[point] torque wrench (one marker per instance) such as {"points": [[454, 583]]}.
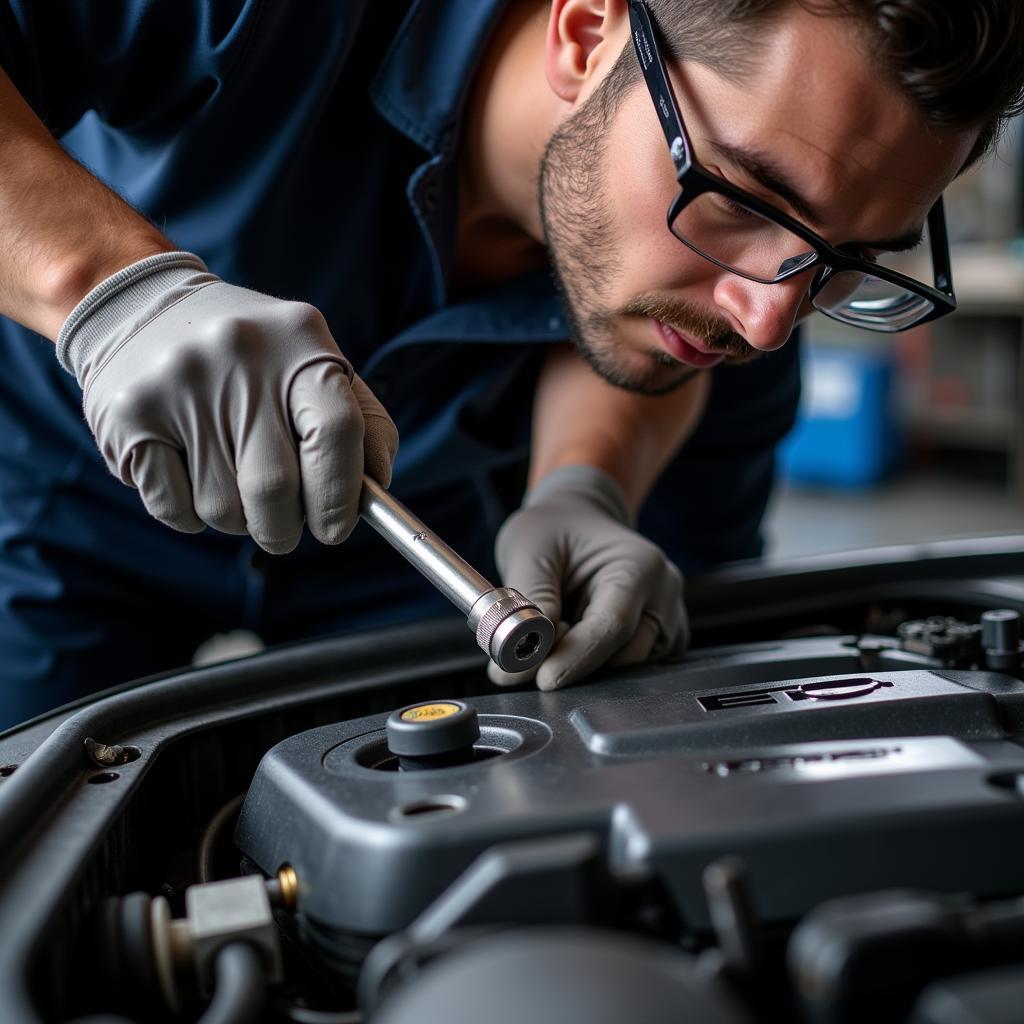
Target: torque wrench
{"points": [[512, 631]]}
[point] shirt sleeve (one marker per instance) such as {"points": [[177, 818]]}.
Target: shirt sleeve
{"points": [[131, 61]]}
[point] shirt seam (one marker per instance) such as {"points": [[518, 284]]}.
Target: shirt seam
{"points": [[380, 98]]}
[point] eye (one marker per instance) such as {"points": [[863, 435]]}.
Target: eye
{"points": [[734, 208]]}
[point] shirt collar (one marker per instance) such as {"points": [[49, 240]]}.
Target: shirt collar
{"points": [[422, 83]]}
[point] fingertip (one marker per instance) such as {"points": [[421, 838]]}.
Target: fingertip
{"points": [[548, 681], [180, 525], [158, 473], [279, 547], [333, 528], [500, 677], [550, 675], [179, 520]]}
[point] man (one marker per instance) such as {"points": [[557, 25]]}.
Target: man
{"points": [[405, 177]]}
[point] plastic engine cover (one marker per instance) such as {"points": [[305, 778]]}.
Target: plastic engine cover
{"points": [[823, 785]]}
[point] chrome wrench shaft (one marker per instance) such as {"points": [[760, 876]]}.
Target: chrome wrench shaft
{"points": [[513, 632]]}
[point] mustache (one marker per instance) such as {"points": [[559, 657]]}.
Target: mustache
{"points": [[712, 331]]}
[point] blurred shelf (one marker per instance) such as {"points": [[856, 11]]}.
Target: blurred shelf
{"points": [[978, 427], [989, 281], [988, 278]]}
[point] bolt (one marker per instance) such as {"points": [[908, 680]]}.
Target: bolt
{"points": [[288, 882]]}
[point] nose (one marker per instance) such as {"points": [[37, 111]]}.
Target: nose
{"points": [[764, 314]]}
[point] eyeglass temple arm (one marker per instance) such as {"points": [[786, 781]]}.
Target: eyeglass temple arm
{"points": [[942, 265], [657, 82]]}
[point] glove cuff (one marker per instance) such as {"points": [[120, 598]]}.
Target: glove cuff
{"points": [[106, 307], [588, 482]]}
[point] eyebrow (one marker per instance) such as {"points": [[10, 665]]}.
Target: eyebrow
{"points": [[772, 178]]}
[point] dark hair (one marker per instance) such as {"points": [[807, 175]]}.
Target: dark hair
{"points": [[960, 61]]}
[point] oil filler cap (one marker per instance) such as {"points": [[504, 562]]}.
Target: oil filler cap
{"points": [[433, 734]]}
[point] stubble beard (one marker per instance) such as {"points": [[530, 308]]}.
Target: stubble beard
{"points": [[574, 210]]}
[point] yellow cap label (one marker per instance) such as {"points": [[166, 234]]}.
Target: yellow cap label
{"points": [[429, 712]]}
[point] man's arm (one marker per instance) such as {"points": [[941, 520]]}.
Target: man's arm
{"points": [[221, 406], [61, 230], [580, 419], [571, 548]]}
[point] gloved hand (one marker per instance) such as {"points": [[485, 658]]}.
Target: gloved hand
{"points": [[572, 539], [224, 406]]}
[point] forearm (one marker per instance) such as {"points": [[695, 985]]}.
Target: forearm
{"points": [[61, 230], [580, 419]]}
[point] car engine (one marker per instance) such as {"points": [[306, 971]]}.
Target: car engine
{"points": [[815, 816]]}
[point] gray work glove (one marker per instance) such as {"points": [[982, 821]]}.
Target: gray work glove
{"points": [[223, 406], [572, 539]]}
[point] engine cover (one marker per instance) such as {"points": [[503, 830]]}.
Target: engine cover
{"points": [[826, 780]]}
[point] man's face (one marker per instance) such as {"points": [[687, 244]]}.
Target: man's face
{"points": [[647, 312]]}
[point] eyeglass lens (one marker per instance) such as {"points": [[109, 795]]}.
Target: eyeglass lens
{"points": [[726, 231], [867, 301]]}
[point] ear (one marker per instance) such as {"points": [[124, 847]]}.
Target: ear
{"points": [[578, 36]]}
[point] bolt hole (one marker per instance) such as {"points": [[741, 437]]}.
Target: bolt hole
{"points": [[101, 777], [130, 754], [438, 805], [527, 646], [8, 769]]}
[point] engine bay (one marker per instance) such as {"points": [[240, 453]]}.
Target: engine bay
{"points": [[815, 816]]}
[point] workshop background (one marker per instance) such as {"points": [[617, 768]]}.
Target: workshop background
{"points": [[920, 436]]}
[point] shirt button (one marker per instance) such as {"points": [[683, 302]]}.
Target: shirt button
{"points": [[555, 323]]}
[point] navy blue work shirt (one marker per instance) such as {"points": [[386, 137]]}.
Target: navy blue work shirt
{"points": [[309, 151]]}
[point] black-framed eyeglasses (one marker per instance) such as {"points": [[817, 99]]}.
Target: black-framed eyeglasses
{"points": [[744, 235]]}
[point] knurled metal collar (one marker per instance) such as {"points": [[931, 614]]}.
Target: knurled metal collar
{"points": [[505, 602]]}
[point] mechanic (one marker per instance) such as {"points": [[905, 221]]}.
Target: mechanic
{"points": [[264, 223]]}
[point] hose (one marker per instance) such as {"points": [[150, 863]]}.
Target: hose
{"points": [[213, 833], [240, 988]]}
